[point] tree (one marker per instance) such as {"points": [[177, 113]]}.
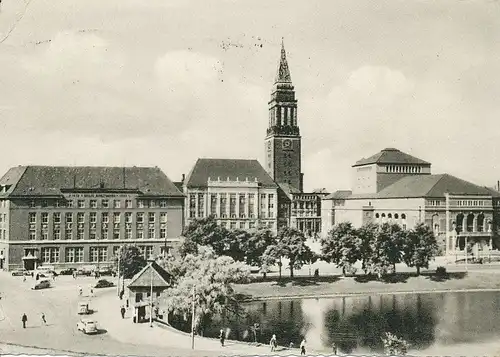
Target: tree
{"points": [[212, 277], [367, 234], [255, 246], [131, 260], [341, 246], [291, 244], [385, 248], [394, 345], [419, 247], [206, 231]]}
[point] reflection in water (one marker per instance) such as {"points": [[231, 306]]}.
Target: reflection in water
{"points": [[356, 325]]}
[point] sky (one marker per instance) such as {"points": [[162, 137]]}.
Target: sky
{"points": [[164, 82]]}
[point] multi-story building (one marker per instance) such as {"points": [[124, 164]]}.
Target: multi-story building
{"points": [[69, 216], [215, 182], [393, 186], [239, 194]]}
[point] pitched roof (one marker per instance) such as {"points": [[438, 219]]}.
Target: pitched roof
{"points": [[431, 186], [161, 278], [234, 169], [53, 180], [391, 156], [339, 195]]}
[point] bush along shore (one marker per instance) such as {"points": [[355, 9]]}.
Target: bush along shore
{"points": [[332, 286]]}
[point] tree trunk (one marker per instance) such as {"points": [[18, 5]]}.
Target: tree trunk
{"points": [[418, 270], [279, 268], [394, 268], [343, 271], [291, 269]]}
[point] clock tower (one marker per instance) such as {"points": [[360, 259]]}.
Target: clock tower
{"points": [[283, 142]]}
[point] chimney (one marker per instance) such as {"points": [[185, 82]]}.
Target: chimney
{"points": [[183, 178]]}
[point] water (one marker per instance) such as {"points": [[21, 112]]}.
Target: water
{"points": [[357, 324]]}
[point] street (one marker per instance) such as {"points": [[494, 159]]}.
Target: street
{"points": [[59, 304]]}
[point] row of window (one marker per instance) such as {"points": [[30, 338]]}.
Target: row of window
{"points": [[390, 216], [470, 203], [102, 203], [283, 116], [96, 254], [219, 205], [403, 169], [244, 225], [80, 217]]}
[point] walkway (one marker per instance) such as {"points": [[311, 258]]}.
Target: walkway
{"points": [[107, 306]]}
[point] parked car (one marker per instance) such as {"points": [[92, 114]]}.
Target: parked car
{"points": [[42, 284], [19, 272], [106, 270], [67, 271], [83, 308], [103, 283], [87, 326], [45, 271], [86, 270]]}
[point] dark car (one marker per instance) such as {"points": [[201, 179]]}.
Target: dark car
{"points": [[67, 271]]}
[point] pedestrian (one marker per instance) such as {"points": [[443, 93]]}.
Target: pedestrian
{"points": [[303, 347], [24, 277], [273, 343], [91, 291], [334, 347], [222, 337], [121, 294], [43, 319], [24, 319], [80, 290], [122, 311]]}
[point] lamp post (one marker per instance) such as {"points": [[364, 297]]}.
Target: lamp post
{"points": [[193, 318]]}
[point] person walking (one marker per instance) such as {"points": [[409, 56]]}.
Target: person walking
{"points": [[80, 290], [43, 319], [122, 311], [273, 343], [24, 319], [222, 337], [91, 291], [303, 347], [334, 347]]}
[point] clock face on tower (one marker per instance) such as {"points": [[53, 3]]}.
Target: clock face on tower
{"points": [[287, 144]]}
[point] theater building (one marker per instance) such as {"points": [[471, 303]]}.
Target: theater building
{"points": [[71, 216], [392, 186]]}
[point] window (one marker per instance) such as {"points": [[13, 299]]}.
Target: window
{"points": [[140, 232], [93, 217], [116, 217], [151, 217], [163, 204], [57, 233], [105, 217], [128, 232], [251, 204], [149, 252], [223, 206], [98, 254], [70, 204], [45, 218], [116, 203], [68, 233], [105, 203], [69, 217], [32, 234], [242, 204], [213, 204], [201, 205], [80, 218], [163, 217], [116, 233], [45, 234], [32, 204], [232, 205], [80, 233], [81, 204], [74, 255], [93, 203], [140, 217], [128, 217], [251, 225], [151, 232], [140, 204], [50, 255], [152, 204], [45, 203], [271, 201], [163, 232], [57, 217], [233, 225], [32, 218], [242, 225]]}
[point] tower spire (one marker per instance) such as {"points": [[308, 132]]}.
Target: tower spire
{"points": [[283, 74]]}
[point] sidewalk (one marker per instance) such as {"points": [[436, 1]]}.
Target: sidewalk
{"points": [[107, 306]]}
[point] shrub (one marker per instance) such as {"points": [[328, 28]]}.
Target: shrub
{"points": [[351, 270], [104, 284], [394, 345], [441, 271]]}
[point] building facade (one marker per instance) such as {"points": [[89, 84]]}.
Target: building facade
{"points": [[71, 216], [393, 186], [239, 194]]}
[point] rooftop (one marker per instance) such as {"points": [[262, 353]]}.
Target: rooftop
{"points": [[233, 169], [161, 278], [391, 156], [54, 180]]}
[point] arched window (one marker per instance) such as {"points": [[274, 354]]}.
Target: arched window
{"points": [[459, 222], [383, 215], [480, 223], [377, 215], [403, 216], [389, 216], [470, 222], [396, 216]]}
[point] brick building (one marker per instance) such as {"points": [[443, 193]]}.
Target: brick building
{"points": [[71, 216]]}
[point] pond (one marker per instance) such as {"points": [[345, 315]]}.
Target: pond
{"points": [[356, 324]]}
